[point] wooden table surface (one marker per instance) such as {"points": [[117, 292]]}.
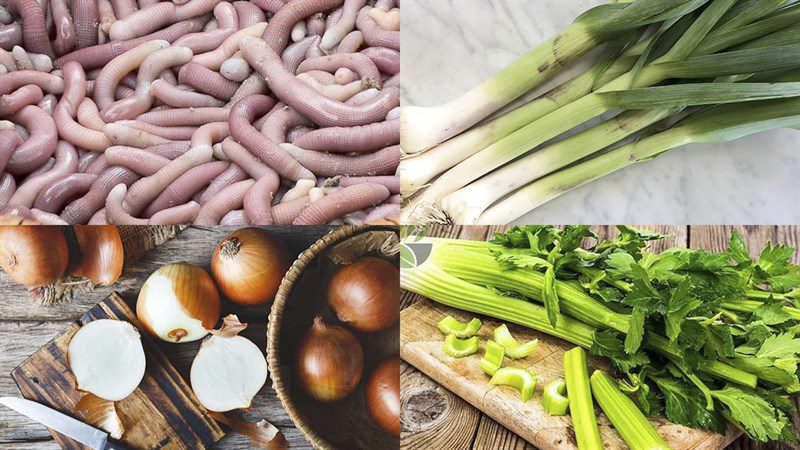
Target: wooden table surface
{"points": [[24, 327], [435, 418]]}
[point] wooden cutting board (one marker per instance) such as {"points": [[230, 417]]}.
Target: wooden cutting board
{"points": [[161, 413], [421, 346]]}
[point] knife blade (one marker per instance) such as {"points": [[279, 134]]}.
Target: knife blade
{"points": [[64, 424]]}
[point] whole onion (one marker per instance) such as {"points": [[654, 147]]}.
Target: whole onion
{"points": [[178, 303], [33, 255], [366, 294], [330, 362], [249, 265], [101, 256], [383, 395]]}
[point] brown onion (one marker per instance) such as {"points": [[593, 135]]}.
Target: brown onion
{"points": [[101, 255], [33, 255], [178, 303], [366, 294], [330, 362], [249, 265], [383, 395]]}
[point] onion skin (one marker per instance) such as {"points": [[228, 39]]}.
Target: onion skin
{"points": [[248, 266], [383, 395], [366, 294], [33, 255], [330, 362], [196, 296], [102, 255]]}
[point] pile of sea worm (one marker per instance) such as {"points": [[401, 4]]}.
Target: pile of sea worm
{"points": [[200, 111]]}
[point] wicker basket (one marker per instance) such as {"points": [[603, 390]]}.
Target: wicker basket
{"points": [[300, 298]]}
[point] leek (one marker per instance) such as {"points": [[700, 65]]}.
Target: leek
{"points": [[629, 422], [524, 381], [554, 399], [459, 348], [513, 349], [584, 420], [462, 330]]}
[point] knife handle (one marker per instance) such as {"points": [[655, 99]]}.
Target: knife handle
{"points": [[115, 446]]}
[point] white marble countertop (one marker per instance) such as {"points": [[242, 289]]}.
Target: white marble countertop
{"points": [[450, 46]]}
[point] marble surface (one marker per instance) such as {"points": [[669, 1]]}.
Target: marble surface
{"points": [[450, 46]]}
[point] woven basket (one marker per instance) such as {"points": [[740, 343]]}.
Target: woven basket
{"points": [[297, 302]]}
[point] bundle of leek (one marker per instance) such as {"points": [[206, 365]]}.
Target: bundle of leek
{"points": [[704, 54]]}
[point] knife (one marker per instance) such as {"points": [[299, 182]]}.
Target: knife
{"points": [[64, 424]]}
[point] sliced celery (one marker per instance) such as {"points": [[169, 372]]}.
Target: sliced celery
{"points": [[631, 424], [492, 358], [584, 420], [459, 348], [554, 398], [449, 325], [514, 349], [522, 380]]}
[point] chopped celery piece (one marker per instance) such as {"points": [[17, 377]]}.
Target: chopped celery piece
{"points": [[631, 424], [514, 349], [459, 348], [449, 325], [522, 380], [493, 357], [554, 398], [584, 420]]}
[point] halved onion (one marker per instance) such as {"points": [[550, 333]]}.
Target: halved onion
{"points": [[229, 370], [107, 358]]}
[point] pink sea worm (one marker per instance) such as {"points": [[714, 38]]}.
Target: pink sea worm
{"points": [[207, 40], [316, 25], [381, 162], [388, 20], [254, 84], [99, 218], [113, 72], [39, 146], [285, 213], [124, 8], [374, 35], [185, 116], [66, 163], [5, 16], [244, 159], [385, 5], [86, 17], [170, 133], [185, 186], [382, 212], [294, 133], [210, 133], [236, 217], [343, 75], [89, 115], [392, 182], [337, 204], [7, 188], [46, 218], [396, 198], [277, 34], [7, 59], [364, 138], [170, 150], [61, 191], [154, 17], [393, 114], [144, 191], [121, 134], [82, 209], [258, 200], [295, 53], [387, 60], [306, 100], [10, 35], [86, 159], [48, 103], [149, 70], [299, 31], [233, 174], [357, 62], [115, 212], [142, 162], [333, 91], [97, 166], [207, 81], [314, 52], [176, 97], [22, 97], [48, 82], [213, 59], [228, 199], [241, 117], [393, 81], [300, 189], [9, 141], [249, 13], [21, 59], [66, 110], [106, 17], [34, 27], [235, 69], [271, 6], [177, 215], [280, 120], [345, 24], [353, 41], [16, 210], [99, 55], [65, 27]]}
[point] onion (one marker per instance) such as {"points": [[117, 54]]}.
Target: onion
{"points": [[383, 395], [330, 362], [366, 294], [229, 370], [107, 358], [178, 303], [248, 266], [101, 256], [33, 255]]}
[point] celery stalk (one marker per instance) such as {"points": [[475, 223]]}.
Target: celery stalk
{"points": [[554, 399], [492, 358], [514, 349], [459, 348], [449, 325], [524, 381], [584, 421]]}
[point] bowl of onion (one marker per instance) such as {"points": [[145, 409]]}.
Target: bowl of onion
{"points": [[333, 338]]}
